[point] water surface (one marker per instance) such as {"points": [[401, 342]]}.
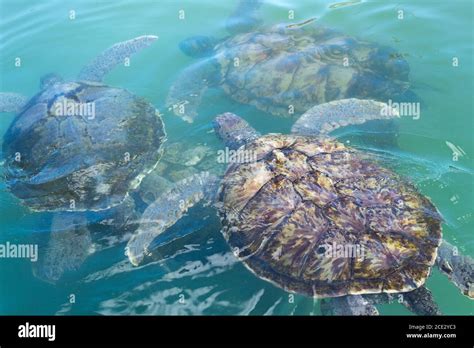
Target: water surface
{"points": [[200, 268]]}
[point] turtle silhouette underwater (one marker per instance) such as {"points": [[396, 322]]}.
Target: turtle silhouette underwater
{"points": [[286, 69], [304, 193], [78, 148], [179, 161]]}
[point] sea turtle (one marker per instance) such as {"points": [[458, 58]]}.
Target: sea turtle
{"points": [[81, 145], [304, 197], [286, 69], [186, 155], [78, 148], [179, 161]]}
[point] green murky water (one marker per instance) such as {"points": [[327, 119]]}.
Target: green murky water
{"points": [[200, 268]]}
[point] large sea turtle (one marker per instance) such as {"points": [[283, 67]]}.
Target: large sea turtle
{"points": [[316, 217], [81, 145], [78, 148], [285, 69]]}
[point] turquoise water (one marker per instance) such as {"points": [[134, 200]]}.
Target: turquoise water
{"points": [[200, 268]]}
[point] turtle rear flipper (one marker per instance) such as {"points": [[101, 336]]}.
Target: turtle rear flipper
{"points": [[12, 102], [245, 18], [166, 211], [325, 118], [348, 305], [458, 268], [113, 56], [421, 302]]}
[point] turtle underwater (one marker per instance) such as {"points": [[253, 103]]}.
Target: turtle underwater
{"points": [[304, 193], [60, 158], [179, 161], [78, 148], [286, 69]]}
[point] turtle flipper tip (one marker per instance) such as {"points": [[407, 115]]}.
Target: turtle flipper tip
{"points": [[138, 245], [115, 55], [187, 119], [147, 39], [133, 255], [184, 109]]}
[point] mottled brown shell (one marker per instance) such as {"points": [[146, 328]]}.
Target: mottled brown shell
{"points": [[301, 194], [277, 67]]}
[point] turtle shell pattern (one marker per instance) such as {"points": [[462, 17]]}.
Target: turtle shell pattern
{"points": [[301, 194], [92, 160], [276, 68]]}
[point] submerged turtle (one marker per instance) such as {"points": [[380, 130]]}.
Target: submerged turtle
{"points": [[186, 155], [179, 161], [74, 236], [81, 145], [286, 69], [305, 194]]}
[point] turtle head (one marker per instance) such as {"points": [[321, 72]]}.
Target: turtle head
{"points": [[384, 70], [198, 46], [50, 79], [233, 130], [390, 63]]}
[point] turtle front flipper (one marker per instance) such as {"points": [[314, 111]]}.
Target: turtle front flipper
{"points": [[112, 56], [348, 305], [69, 244], [166, 211], [458, 268], [325, 118], [12, 102], [186, 93]]}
